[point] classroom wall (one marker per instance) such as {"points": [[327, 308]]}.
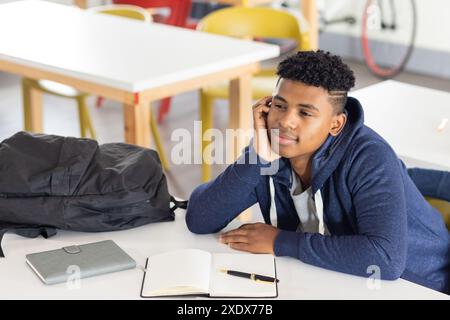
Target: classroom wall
{"points": [[433, 20], [432, 46]]}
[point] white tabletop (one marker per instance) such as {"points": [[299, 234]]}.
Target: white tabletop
{"points": [[109, 50], [408, 116], [297, 280]]}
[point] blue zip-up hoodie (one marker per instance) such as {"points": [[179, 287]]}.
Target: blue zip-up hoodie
{"points": [[375, 214]]}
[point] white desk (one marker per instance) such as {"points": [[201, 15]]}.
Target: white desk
{"points": [[407, 117], [124, 60], [297, 280], [308, 8]]}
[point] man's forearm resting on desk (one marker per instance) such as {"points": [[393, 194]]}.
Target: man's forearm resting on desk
{"points": [[340, 199]]}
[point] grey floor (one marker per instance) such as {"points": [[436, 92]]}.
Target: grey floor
{"points": [[60, 118]]}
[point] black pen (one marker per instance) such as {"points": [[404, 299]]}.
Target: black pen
{"points": [[251, 276]]}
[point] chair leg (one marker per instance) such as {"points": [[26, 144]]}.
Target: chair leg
{"points": [[99, 102], [157, 139], [81, 118], [164, 108], [206, 116], [32, 106], [26, 105], [85, 119], [89, 123]]}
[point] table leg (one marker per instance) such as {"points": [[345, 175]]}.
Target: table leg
{"points": [[137, 124], [240, 112], [240, 118], [309, 10], [32, 105]]}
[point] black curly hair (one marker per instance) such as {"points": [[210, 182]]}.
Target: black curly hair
{"points": [[320, 69]]}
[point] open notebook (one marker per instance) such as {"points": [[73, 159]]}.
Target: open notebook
{"points": [[197, 272]]}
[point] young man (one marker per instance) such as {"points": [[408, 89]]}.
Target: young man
{"points": [[341, 199]]}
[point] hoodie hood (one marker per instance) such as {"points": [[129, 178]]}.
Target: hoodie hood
{"points": [[330, 154]]}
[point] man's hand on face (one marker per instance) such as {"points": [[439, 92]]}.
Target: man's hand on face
{"points": [[261, 141], [253, 237]]}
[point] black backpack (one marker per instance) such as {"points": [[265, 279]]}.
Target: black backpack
{"points": [[50, 182]]}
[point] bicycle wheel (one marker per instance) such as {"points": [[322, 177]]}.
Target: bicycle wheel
{"points": [[388, 35]]}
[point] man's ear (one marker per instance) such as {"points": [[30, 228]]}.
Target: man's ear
{"points": [[338, 123]]}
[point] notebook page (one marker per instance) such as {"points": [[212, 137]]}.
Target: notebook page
{"points": [[224, 285], [177, 272]]}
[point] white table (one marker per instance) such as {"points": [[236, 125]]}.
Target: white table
{"points": [[407, 117], [297, 280], [308, 7], [124, 60]]}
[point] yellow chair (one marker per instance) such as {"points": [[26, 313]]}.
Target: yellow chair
{"points": [[124, 10], [443, 207], [61, 90], [246, 23], [58, 89]]}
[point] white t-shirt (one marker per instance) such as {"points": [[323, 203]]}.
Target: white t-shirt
{"points": [[305, 207]]}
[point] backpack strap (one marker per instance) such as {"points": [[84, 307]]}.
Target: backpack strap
{"points": [[178, 204], [35, 232], [26, 231], [2, 233]]}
